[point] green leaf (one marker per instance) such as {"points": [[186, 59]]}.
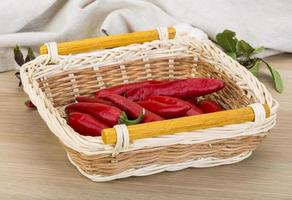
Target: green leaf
{"points": [[18, 56], [278, 82], [227, 40], [242, 47], [30, 55], [258, 50], [255, 68], [232, 55]]}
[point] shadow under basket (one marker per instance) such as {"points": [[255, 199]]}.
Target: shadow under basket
{"points": [[53, 83]]}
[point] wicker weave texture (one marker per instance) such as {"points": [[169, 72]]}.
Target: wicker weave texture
{"points": [[51, 86]]}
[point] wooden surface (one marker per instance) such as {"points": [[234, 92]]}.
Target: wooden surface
{"points": [[33, 164]]}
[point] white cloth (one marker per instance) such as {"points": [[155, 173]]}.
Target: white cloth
{"points": [[31, 22]]}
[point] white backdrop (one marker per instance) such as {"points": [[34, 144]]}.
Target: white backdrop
{"points": [[32, 22]]}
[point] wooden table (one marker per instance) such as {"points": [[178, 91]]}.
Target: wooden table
{"points": [[33, 164]]}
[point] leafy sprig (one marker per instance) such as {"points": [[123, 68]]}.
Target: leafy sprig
{"points": [[19, 59], [244, 53]]}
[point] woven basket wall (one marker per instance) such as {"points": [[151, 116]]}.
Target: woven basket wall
{"points": [[51, 86]]}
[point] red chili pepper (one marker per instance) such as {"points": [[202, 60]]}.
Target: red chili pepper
{"points": [[165, 110], [209, 106], [193, 110], [121, 89], [29, 104], [85, 124], [192, 100], [179, 88], [108, 114], [93, 100], [132, 109]]}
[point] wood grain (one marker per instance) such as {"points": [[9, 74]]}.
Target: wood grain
{"points": [[33, 164]]}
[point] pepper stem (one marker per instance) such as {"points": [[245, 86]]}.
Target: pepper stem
{"points": [[123, 119]]}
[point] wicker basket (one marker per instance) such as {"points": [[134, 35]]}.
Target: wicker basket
{"points": [[52, 81]]}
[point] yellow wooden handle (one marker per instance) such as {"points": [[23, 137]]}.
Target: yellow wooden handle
{"points": [[171, 126], [105, 42]]}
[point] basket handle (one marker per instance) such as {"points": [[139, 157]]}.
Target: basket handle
{"points": [[254, 113], [111, 41]]}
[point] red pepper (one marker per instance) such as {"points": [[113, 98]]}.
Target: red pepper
{"points": [[93, 100], [121, 89], [108, 114], [29, 104], [165, 110], [132, 109], [192, 100], [85, 124], [193, 110], [179, 88], [209, 106]]}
